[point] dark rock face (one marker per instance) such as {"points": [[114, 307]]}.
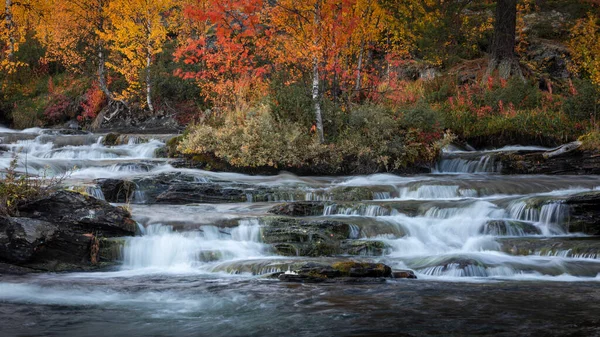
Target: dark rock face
{"points": [[344, 272], [21, 237], [58, 231], [294, 237], [182, 193], [584, 213], [300, 208], [363, 247], [588, 246], [66, 132], [574, 162], [409, 274], [65, 208], [116, 190]]}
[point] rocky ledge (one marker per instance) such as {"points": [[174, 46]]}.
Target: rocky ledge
{"points": [[343, 272], [567, 159], [61, 231]]}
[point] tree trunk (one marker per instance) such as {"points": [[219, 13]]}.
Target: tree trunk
{"points": [[148, 84], [359, 68], [316, 101], [503, 55], [102, 74], [315, 83], [9, 24], [101, 58]]}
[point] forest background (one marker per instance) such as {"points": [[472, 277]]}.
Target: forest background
{"points": [[315, 86]]}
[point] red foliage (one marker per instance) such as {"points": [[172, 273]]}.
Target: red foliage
{"points": [[57, 110], [232, 53], [95, 100]]}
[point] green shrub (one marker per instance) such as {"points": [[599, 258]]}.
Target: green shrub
{"points": [[372, 140], [584, 103], [423, 117], [16, 189], [590, 141]]}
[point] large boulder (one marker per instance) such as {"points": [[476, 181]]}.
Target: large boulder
{"points": [[61, 231]]}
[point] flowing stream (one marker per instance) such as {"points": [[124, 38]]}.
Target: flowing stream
{"points": [[198, 269]]}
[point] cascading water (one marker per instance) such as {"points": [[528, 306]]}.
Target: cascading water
{"points": [[202, 262]]}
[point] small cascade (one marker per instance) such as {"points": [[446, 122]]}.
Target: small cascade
{"points": [[382, 195], [550, 217], [431, 192], [162, 247], [354, 232], [485, 164], [317, 196], [358, 210], [96, 192]]}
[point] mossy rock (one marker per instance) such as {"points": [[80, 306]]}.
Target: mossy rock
{"points": [[111, 139], [171, 146]]}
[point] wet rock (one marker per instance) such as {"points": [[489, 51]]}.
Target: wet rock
{"points": [[296, 237], [575, 162], [82, 212], [116, 190], [584, 213], [363, 247], [111, 249], [344, 271], [110, 139], [564, 246], [182, 193], [509, 227], [300, 208], [61, 231], [171, 146], [351, 193], [11, 269], [65, 132], [409, 274], [21, 237]]}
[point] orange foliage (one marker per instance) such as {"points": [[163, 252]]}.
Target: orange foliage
{"points": [[229, 51]]}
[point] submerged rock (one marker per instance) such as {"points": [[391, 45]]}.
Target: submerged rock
{"points": [[345, 271], [61, 231]]}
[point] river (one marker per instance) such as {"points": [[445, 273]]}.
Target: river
{"points": [[198, 269]]}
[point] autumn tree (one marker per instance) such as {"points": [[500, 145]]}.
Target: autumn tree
{"points": [[18, 18], [227, 54], [136, 33], [71, 31]]}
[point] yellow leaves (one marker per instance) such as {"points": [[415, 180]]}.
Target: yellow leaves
{"points": [[135, 33], [585, 48]]}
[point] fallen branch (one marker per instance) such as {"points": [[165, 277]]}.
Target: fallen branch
{"points": [[562, 150]]}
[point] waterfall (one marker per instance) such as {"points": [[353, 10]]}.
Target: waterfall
{"points": [[163, 247]]}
